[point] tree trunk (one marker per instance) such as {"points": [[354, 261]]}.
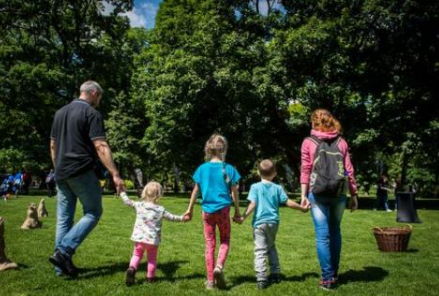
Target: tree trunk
{"points": [[5, 263]]}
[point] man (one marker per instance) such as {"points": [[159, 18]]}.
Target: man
{"points": [[77, 140]]}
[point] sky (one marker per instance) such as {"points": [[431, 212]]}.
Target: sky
{"points": [[144, 12]]}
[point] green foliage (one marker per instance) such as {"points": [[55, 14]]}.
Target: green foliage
{"points": [[205, 72], [129, 184], [47, 49], [228, 67]]}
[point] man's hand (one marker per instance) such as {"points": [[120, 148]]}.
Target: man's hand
{"points": [[119, 184]]}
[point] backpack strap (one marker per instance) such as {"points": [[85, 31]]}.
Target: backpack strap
{"points": [[315, 140], [338, 140]]}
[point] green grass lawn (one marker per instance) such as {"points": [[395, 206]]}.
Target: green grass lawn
{"points": [[105, 254]]}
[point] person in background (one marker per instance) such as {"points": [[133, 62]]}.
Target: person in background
{"points": [[27, 180], [50, 183], [383, 187], [17, 183]]}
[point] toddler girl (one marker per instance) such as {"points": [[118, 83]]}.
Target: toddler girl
{"points": [[147, 229]]}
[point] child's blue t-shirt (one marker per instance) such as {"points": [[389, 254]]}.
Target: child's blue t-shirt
{"points": [[267, 196], [215, 193]]}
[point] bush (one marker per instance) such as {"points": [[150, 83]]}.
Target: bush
{"points": [[129, 184]]}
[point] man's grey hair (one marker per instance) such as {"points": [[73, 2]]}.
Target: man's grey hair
{"points": [[89, 86]]}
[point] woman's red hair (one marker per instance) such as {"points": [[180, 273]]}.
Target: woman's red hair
{"points": [[323, 121]]}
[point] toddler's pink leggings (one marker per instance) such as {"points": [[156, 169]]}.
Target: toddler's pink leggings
{"points": [[152, 251], [222, 219]]}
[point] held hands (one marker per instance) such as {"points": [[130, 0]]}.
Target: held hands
{"points": [[304, 202], [305, 209], [305, 205], [119, 184], [238, 219], [187, 216]]}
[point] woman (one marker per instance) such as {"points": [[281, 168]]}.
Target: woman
{"points": [[326, 211]]}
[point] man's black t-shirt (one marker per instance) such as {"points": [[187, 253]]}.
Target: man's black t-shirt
{"points": [[74, 128]]}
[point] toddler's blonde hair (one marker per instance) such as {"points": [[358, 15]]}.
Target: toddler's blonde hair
{"points": [[215, 146], [152, 191]]}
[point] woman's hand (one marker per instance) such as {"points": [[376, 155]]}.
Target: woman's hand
{"points": [[353, 203], [304, 202]]}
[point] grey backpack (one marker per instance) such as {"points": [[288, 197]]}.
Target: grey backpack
{"points": [[328, 172]]}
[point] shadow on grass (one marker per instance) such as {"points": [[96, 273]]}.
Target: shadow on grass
{"points": [[86, 273], [301, 277], [22, 266], [168, 269], [252, 279], [368, 274]]}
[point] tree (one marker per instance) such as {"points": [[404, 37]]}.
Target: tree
{"points": [[372, 63], [47, 49], [204, 72]]}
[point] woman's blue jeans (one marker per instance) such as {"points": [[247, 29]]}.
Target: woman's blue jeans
{"points": [[326, 214]]}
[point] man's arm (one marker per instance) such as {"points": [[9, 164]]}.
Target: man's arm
{"points": [[52, 151], [106, 157]]}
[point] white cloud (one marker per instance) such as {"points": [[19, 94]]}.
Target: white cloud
{"points": [[141, 16], [136, 17], [108, 8]]}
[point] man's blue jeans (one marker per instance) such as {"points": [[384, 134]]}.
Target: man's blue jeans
{"points": [[86, 188], [327, 213]]}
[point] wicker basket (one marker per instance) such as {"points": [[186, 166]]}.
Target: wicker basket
{"points": [[393, 239]]}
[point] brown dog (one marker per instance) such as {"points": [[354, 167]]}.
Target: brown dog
{"points": [[31, 221], [42, 212]]}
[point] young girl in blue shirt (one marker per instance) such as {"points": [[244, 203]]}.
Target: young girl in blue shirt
{"points": [[218, 183]]}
